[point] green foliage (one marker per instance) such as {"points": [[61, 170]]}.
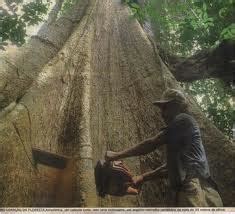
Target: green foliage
{"points": [[13, 29], [13, 23], [228, 32], [216, 102], [186, 26], [207, 22], [9, 2], [137, 11], [67, 5], [33, 12]]}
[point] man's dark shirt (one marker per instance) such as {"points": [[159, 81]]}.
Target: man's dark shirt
{"points": [[185, 152]]}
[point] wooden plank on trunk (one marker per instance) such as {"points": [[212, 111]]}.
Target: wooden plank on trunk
{"points": [[49, 158]]}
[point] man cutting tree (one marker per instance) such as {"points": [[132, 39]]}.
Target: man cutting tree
{"points": [[187, 167]]}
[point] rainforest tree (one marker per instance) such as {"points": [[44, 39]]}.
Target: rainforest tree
{"points": [[84, 84]]}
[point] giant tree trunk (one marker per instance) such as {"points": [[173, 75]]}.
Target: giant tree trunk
{"points": [[97, 96]]}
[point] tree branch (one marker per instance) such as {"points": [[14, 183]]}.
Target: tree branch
{"points": [[54, 11], [217, 63]]}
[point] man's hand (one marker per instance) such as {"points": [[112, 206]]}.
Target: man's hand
{"points": [[109, 156], [134, 186], [160, 172], [138, 181], [132, 191]]}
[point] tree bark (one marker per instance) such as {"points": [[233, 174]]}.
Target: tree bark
{"points": [[21, 67], [96, 96]]}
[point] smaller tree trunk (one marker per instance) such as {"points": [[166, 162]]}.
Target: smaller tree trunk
{"points": [[54, 11], [21, 67], [217, 63]]}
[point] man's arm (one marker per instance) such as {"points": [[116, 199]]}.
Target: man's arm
{"points": [[142, 148], [160, 172]]}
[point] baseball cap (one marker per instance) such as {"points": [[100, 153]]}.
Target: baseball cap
{"points": [[170, 95]]}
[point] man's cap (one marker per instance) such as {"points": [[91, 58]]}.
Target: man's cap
{"points": [[170, 95]]}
